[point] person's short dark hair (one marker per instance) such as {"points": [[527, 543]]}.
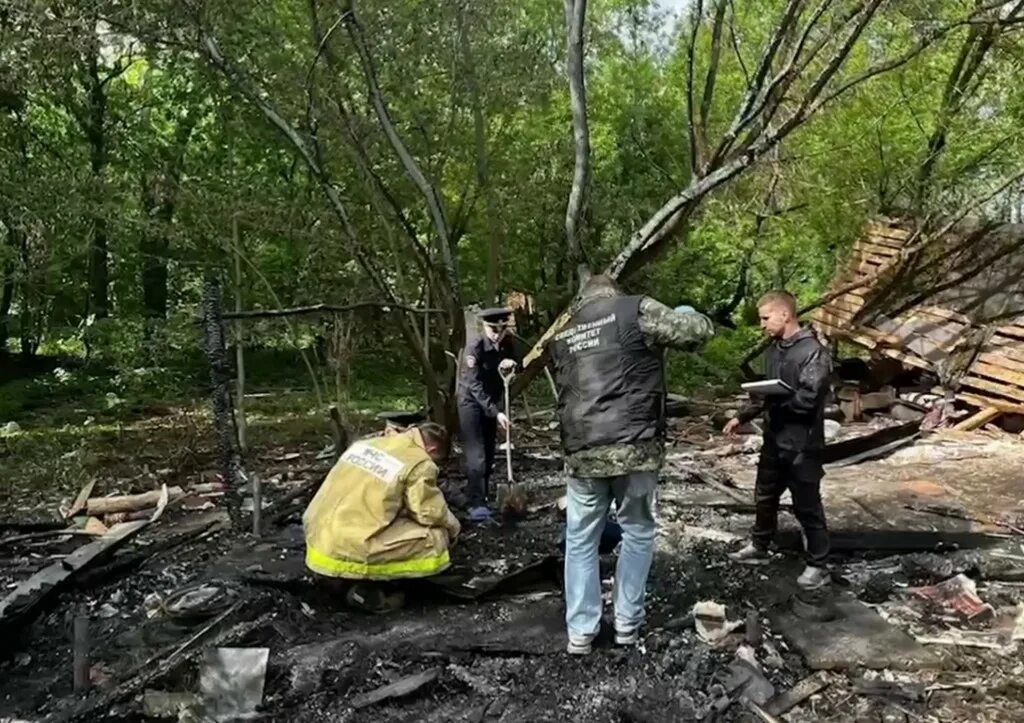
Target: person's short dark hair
{"points": [[434, 435], [600, 282], [782, 298]]}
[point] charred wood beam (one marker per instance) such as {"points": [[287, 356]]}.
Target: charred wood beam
{"points": [[326, 309]]}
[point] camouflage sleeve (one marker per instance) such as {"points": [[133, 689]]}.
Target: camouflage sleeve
{"points": [[664, 327]]}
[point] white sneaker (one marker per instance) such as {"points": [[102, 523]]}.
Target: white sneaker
{"points": [[627, 638], [580, 645], [750, 554], [813, 578]]}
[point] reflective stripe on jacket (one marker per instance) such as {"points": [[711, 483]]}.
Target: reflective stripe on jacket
{"points": [[379, 514]]}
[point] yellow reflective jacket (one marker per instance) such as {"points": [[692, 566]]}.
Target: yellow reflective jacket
{"points": [[379, 515]]}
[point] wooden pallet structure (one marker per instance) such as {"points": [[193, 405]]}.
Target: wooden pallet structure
{"points": [[953, 306]]}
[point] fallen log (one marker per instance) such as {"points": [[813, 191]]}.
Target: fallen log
{"points": [[25, 600], [400, 688], [98, 506]]}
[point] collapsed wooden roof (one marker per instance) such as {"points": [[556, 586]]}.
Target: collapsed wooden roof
{"points": [[953, 305]]}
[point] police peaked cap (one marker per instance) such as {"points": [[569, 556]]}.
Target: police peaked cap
{"points": [[496, 317], [402, 418]]}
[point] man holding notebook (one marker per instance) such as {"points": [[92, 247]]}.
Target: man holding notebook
{"points": [[794, 436]]}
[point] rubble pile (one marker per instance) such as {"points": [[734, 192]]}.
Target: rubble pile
{"points": [[188, 619]]}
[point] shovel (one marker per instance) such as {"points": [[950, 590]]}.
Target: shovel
{"points": [[511, 497]]}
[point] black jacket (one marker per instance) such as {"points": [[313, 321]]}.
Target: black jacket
{"points": [[611, 387], [796, 422], [481, 384]]}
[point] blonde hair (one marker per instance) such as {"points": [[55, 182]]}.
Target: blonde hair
{"points": [[782, 298]]}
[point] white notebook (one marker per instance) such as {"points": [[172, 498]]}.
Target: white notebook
{"points": [[768, 388]]}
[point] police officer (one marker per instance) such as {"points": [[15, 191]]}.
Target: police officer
{"points": [[481, 401]]}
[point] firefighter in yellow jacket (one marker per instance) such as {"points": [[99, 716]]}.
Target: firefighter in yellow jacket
{"points": [[380, 515]]}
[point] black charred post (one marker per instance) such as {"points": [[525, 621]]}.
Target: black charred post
{"points": [[228, 457]]}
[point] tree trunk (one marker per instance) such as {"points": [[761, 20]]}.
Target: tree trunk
{"points": [[220, 381], [159, 201], [99, 271], [7, 292], [28, 344], [154, 246], [575, 13]]}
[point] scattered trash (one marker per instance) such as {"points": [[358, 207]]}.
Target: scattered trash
{"points": [[913, 692], [162, 704], [704, 533], [772, 659], [929, 566], [10, 429], [959, 594], [199, 601], [809, 686], [231, 681], [711, 623], [745, 682], [107, 611]]}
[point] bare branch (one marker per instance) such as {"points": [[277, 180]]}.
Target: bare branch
{"points": [[712, 74], [327, 309], [789, 17], [691, 121], [430, 193], [735, 43], [575, 14], [321, 38], [362, 158]]}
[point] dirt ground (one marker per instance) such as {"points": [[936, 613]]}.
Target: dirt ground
{"points": [[501, 657]]}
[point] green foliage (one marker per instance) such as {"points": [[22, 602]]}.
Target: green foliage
{"points": [[184, 175]]}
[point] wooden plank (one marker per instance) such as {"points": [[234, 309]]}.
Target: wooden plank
{"points": [[1001, 374], [848, 334], [976, 421], [839, 312], [1012, 393], [1000, 360], [867, 246], [889, 231], [907, 359], [982, 402], [866, 269], [1012, 352], [844, 306], [879, 260], [948, 314], [1013, 332], [885, 239], [882, 336]]}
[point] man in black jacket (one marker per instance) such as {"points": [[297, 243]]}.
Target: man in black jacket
{"points": [[481, 395], [794, 437]]}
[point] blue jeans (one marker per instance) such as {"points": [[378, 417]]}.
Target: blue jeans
{"points": [[589, 500]]}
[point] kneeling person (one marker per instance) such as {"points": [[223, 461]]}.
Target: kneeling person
{"points": [[380, 515]]}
